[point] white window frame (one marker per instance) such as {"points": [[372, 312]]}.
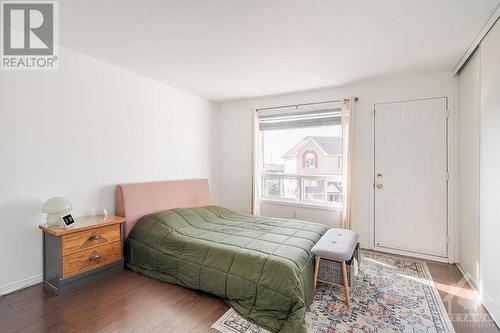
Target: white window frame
{"points": [[260, 178]]}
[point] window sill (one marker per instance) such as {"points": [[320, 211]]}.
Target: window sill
{"points": [[300, 204]]}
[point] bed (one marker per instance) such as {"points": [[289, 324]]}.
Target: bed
{"points": [[262, 267]]}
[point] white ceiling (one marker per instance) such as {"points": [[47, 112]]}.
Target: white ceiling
{"points": [[230, 49]]}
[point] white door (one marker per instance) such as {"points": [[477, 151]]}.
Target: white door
{"points": [[411, 176]]}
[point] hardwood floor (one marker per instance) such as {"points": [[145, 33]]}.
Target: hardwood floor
{"points": [[466, 313], [129, 302]]}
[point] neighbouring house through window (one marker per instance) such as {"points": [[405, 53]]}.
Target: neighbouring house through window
{"points": [[301, 156]]}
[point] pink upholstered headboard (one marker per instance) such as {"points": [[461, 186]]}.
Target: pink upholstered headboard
{"points": [[133, 201]]}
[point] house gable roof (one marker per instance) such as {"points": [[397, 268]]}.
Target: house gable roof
{"points": [[331, 146]]}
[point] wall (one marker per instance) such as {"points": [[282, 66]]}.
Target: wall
{"points": [[79, 131], [469, 129], [326, 215], [235, 140], [489, 244]]}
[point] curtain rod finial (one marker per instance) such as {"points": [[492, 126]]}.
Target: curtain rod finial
{"points": [[353, 99]]}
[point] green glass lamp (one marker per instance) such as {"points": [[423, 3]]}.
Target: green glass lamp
{"points": [[55, 208]]}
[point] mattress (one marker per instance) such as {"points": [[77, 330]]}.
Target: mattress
{"points": [[262, 267]]}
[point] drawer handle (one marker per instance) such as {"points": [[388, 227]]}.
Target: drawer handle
{"points": [[94, 257], [94, 238]]}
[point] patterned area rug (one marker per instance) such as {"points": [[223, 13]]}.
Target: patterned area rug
{"points": [[390, 294]]}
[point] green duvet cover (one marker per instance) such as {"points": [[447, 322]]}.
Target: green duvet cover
{"points": [[261, 266]]}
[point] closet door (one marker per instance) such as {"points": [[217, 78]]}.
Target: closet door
{"points": [[468, 145], [490, 172]]}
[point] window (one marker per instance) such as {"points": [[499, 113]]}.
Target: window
{"points": [[310, 160], [300, 155]]}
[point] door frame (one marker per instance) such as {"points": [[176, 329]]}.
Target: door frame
{"points": [[451, 223]]}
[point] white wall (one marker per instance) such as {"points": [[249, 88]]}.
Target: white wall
{"points": [[79, 131], [235, 138], [489, 245], [325, 215], [469, 129]]}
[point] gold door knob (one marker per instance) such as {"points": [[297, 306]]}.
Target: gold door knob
{"points": [[379, 185]]}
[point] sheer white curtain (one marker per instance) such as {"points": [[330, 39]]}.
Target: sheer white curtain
{"points": [[256, 149], [347, 139]]}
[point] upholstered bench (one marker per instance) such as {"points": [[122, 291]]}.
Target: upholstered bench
{"points": [[336, 245]]}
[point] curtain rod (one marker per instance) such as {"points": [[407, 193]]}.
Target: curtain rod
{"points": [[303, 104]]}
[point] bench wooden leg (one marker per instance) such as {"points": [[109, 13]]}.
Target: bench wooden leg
{"points": [[316, 270], [346, 284]]}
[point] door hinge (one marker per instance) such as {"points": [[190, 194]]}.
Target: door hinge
{"points": [[447, 113], [447, 175]]}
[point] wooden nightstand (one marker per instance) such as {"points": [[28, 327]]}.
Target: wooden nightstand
{"points": [[73, 256]]}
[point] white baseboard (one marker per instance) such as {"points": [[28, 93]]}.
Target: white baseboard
{"points": [[469, 279], [13, 286], [473, 284]]}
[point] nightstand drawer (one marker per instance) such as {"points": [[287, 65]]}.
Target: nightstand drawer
{"points": [[90, 259], [89, 239]]}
